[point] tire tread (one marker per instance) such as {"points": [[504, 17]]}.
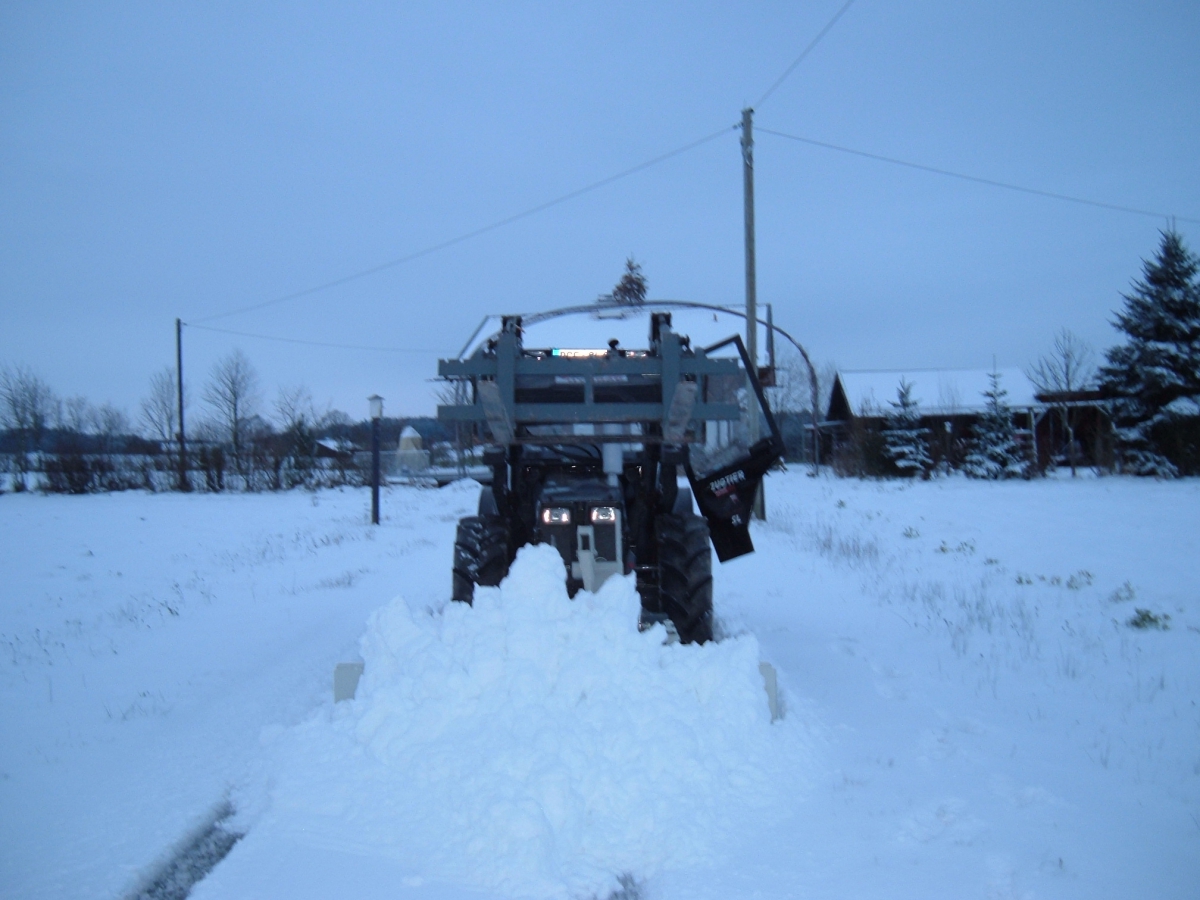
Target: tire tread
{"points": [[685, 575]]}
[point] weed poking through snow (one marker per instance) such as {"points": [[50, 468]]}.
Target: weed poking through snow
{"points": [[1081, 579], [1123, 594], [1145, 620]]}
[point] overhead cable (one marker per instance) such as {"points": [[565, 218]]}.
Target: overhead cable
{"points": [[977, 179], [807, 50], [500, 223]]}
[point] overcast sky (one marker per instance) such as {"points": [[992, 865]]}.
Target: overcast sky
{"points": [[161, 160]]}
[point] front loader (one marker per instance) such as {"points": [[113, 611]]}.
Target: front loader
{"points": [[586, 449]]}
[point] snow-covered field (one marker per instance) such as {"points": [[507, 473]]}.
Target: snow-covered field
{"points": [[968, 712]]}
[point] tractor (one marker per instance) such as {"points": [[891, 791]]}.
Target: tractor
{"points": [[585, 450]]}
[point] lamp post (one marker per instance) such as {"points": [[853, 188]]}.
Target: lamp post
{"points": [[376, 403]]}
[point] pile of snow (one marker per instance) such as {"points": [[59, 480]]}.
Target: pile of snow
{"points": [[534, 745]]}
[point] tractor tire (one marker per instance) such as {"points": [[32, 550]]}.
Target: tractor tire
{"points": [[480, 555], [685, 575]]}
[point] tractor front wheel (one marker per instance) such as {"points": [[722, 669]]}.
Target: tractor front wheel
{"points": [[685, 575], [480, 555]]}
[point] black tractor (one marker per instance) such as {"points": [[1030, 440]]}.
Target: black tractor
{"points": [[586, 450]]}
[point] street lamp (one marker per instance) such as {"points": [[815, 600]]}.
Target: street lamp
{"points": [[376, 403]]}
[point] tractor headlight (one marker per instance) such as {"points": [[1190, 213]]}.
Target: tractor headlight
{"points": [[605, 515], [556, 516]]}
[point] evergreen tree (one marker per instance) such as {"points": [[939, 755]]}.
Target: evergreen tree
{"points": [[994, 452], [906, 442], [1160, 362], [631, 289]]}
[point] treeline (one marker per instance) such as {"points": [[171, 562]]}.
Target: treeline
{"points": [[235, 439], [1137, 411]]}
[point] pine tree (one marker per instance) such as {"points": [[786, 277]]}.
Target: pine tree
{"points": [[906, 442], [994, 451], [1160, 361], [631, 289]]}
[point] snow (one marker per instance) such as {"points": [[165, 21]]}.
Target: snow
{"points": [[533, 745], [1184, 407], [147, 640], [967, 711]]}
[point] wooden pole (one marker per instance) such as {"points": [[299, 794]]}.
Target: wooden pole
{"points": [[376, 405], [184, 484], [759, 511]]}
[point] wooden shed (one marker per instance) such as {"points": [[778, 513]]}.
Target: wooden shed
{"points": [[950, 402]]}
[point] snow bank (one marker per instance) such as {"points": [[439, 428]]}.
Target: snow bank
{"points": [[535, 745]]}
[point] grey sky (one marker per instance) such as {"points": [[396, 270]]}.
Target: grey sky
{"points": [[163, 160]]}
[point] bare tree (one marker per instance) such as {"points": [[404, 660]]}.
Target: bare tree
{"points": [[454, 393], [790, 391], [208, 438], [337, 422], [26, 402], [78, 415], [232, 395], [1069, 366], [294, 408], [111, 425], [160, 408], [298, 421], [209, 431], [27, 405]]}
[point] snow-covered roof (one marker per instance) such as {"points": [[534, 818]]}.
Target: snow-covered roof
{"points": [[1184, 407], [629, 325], [410, 439], [936, 391]]}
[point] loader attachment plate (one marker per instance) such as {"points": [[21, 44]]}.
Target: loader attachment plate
{"points": [[726, 497]]}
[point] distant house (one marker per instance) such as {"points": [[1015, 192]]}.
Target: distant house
{"points": [[411, 456], [335, 449], [950, 402]]}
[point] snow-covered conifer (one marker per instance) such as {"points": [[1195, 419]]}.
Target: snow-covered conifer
{"points": [[631, 289], [907, 443], [994, 451], [1159, 364]]}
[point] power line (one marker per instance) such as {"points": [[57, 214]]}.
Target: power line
{"points": [[284, 340], [807, 50], [508, 220], [977, 179]]}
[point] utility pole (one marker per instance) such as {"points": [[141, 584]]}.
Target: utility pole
{"points": [[184, 485], [759, 511], [376, 407]]}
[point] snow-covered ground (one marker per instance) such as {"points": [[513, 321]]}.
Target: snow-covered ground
{"points": [[968, 713]]}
